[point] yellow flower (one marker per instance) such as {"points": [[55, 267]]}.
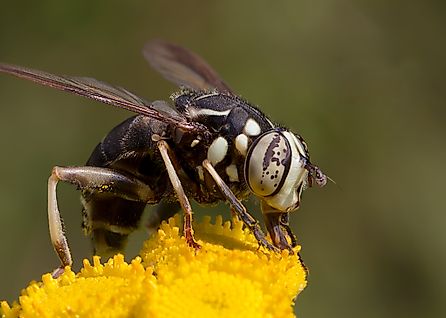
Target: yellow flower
{"points": [[228, 277]]}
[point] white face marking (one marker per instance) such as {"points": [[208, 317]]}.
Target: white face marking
{"points": [[252, 128], [194, 112], [287, 199], [241, 144], [194, 143], [268, 163], [217, 150], [200, 173], [232, 173]]}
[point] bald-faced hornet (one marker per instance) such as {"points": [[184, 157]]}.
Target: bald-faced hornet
{"points": [[213, 146]]}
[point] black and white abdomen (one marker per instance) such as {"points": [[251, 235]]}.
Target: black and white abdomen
{"points": [[108, 216]]}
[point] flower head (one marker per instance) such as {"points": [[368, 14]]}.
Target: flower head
{"points": [[229, 276]]}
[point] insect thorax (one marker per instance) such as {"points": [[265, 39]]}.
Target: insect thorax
{"points": [[234, 125]]}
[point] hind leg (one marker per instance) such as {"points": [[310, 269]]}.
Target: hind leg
{"points": [[94, 179]]}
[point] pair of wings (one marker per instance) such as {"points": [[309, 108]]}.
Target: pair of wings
{"points": [[175, 63]]}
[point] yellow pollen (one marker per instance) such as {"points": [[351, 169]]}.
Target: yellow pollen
{"points": [[228, 277]]}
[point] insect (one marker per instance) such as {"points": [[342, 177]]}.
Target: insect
{"points": [[211, 146]]}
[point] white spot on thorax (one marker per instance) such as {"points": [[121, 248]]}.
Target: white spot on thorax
{"points": [[194, 143], [241, 144], [232, 173], [207, 95], [252, 128], [197, 112], [217, 150]]}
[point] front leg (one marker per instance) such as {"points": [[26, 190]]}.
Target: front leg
{"points": [[238, 207], [285, 223], [277, 221], [182, 198]]}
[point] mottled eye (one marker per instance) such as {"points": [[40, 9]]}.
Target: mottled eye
{"points": [[268, 163]]}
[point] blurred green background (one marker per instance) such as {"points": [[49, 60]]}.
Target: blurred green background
{"points": [[362, 81]]}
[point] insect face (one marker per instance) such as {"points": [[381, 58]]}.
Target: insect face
{"points": [[277, 169]]}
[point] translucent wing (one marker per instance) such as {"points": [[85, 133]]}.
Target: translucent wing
{"points": [[100, 91], [183, 67]]}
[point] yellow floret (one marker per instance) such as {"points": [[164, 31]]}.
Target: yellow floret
{"points": [[228, 277]]}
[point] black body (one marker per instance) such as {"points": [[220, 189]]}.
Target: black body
{"points": [[129, 149]]}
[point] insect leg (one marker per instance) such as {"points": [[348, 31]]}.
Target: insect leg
{"points": [[274, 226], [285, 223], [277, 221], [58, 238], [94, 179], [238, 207], [182, 198]]}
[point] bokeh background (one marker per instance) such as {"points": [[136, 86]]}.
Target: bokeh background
{"points": [[362, 81]]}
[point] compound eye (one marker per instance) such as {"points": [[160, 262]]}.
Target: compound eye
{"points": [[268, 163]]}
